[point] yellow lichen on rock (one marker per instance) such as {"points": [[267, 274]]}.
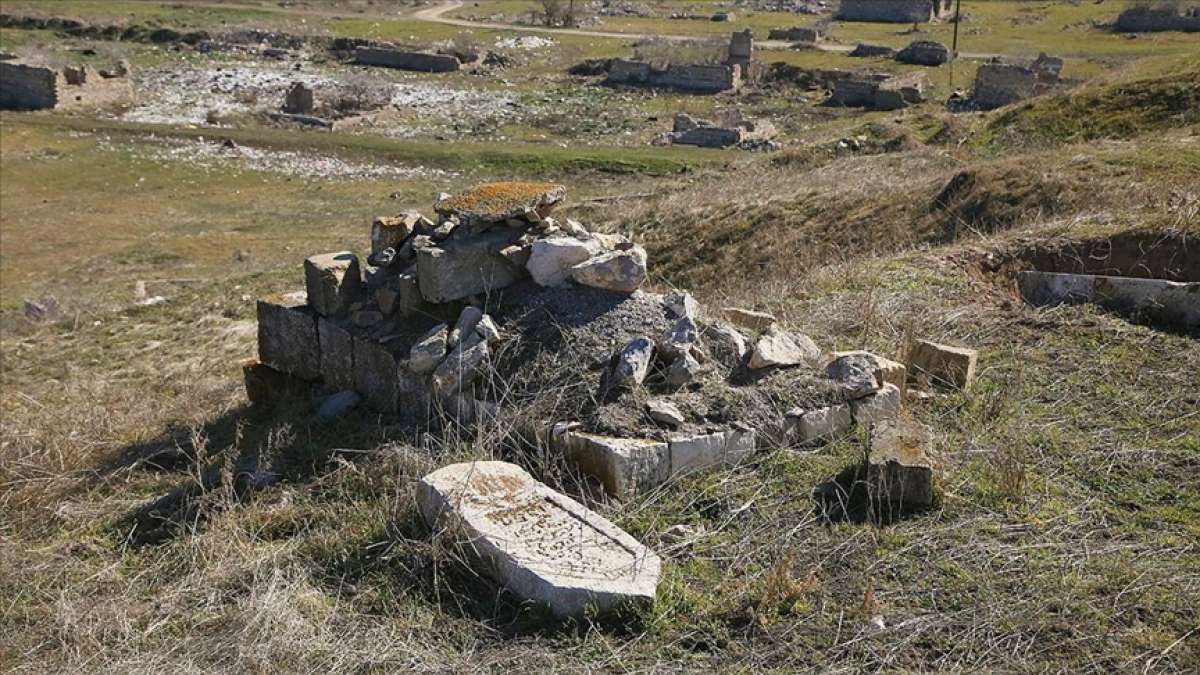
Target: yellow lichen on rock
{"points": [[499, 200]]}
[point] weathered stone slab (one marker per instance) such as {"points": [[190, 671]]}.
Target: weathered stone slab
{"points": [[777, 348], [625, 466], [899, 469], [882, 405], [423, 62], [499, 202], [333, 282], [542, 545], [942, 364], [1169, 302], [337, 354], [375, 374], [749, 319], [459, 268], [701, 451], [809, 426], [287, 338]]}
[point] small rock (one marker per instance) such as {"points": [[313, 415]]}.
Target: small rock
{"points": [[487, 329], [749, 319], [680, 339], [664, 412], [429, 350], [574, 229], [461, 366], [944, 365], [46, 310], [727, 343], [551, 260], [683, 370], [467, 320], [855, 375], [777, 348], [333, 282], [631, 364], [517, 254], [622, 270], [682, 305], [384, 258], [337, 405], [680, 534]]}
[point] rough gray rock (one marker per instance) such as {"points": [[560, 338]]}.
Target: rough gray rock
{"points": [[460, 268], [622, 270], [468, 319], [487, 329], [542, 545], [337, 354], [855, 375], [727, 343], [461, 366], [630, 365], [682, 370], [882, 405], [338, 404], [683, 336], [664, 412], [682, 305], [287, 338], [429, 350], [551, 259]]}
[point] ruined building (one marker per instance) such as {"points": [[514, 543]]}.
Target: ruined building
{"points": [[998, 84], [29, 85], [894, 11], [701, 78], [1159, 17]]}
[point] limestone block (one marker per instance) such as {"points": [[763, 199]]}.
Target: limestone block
{"points": [[375, 374], [701, 451], [942, 364], [749, 319], [456, 269], [391, 232], [551, 259], [809, 426], [778, 348], [337, 354], [541, 545], [333, 282], [625, 466], [622, 270], [878, 407], [287, 338], [899, 469]]}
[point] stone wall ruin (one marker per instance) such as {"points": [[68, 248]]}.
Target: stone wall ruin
{"points": [[1159, 18], [894, 11], [26, 85], [999, 84]]}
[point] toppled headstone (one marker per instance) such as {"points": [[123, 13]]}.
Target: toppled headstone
{"points": [[542, 545], [942, 365], [779, 348], [899, 469], [333, 282]]}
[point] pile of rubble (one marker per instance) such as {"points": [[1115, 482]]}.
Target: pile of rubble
{"points": [[495, 311], [732, 130]]}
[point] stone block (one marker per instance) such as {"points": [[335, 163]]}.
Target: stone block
{"points": [[943, 365], [265, 386], [287, 338], [1168, 302], [551, 259], [701, 451], [899, 468], [375, 375], [625, 466], [460, 268], [333, 282], [621, 271], [778, 348], [337, 354], [883, 405], [810, 426], [749, 319], [541, 545]]}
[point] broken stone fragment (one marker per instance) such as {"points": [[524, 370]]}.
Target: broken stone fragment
{"points": [[551, 260], [808, 426], [574, 229], [467, 320], [622, 270], [337, 354], [429, 350], [630, 365], [943, 365], [444, 230], [882, 405], [391, 232], [727, 343], [541, 545], [385, 258], [487, 329], [624, 466], [517, 254], [778, 348], [684, 369], [855, 375], [899, 468], [749, 319], [682, 305], [333, 282], [287, 338], [461, 366], [679, 339], [664, 412], [885, 370]]}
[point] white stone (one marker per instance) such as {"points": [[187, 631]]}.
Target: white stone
{"points": [[695, 452], [807, 426], [632, 363], [664, 412], [625, 466], [749, 319], [943, 364], [622, 270], [551, 259], [542, 545], [878, 407], [781, 348], [682, 305], [429, 350]]}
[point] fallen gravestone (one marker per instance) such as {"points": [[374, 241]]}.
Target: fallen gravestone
{"points": [[540, 544]]}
